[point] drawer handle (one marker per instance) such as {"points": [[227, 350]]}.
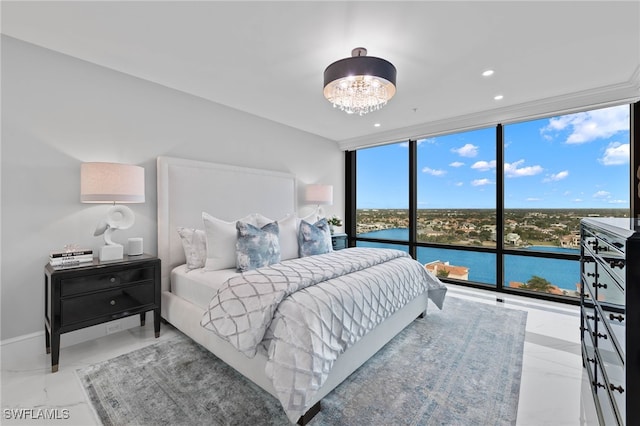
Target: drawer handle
{"points": [[598, 385], [599, 335], [616, 388], [601, 285], [113, 302], [591, 317], [593, 360], [618, 263], [616, 317], [112, 279], [592, 275]]}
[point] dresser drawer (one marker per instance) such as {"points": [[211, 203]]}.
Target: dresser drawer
{"points": [[613, 371], [90, 283], [615, 323], [616, 265], [589, 357], [601, 283], [116, 303], [603, 399], [610, 250], [603, 341]]}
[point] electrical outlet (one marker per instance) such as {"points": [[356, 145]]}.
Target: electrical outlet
{"points": [[114, 327]]}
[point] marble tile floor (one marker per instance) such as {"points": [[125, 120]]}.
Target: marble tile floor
{"points": [[554, 389]]}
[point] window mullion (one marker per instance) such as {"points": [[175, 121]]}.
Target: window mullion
{"points": [[499, 207], [413, 197]]}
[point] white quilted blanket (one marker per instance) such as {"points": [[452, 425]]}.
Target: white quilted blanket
{"points": [[307, 311]]}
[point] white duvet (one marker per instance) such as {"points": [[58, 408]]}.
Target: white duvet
{"points": [[308, 311]]}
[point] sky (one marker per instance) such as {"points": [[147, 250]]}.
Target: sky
{"points": [[577, 160]]}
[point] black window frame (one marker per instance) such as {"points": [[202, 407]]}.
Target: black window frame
{"points": [[500, 251]]}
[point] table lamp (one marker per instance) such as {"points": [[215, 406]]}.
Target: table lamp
{"points": [[112, 183], [319, 194]]}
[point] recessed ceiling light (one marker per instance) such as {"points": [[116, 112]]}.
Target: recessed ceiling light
{"points": [[487, 73], [498, 97], [376, 125]]}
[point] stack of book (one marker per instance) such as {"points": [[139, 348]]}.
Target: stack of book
{"points": [[71, 258]]}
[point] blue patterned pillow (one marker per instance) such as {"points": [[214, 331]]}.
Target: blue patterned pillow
{"points": [[257, 247], [314, 239]]}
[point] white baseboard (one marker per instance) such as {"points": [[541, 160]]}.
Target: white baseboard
{"points": [[74, 337]]}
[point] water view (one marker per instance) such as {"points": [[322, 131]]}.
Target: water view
{"points": [[564, 274]]}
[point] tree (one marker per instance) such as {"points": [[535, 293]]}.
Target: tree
{"points": [[537, 283], [442, 273]]}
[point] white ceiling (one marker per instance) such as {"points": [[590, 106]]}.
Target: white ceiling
{"points": [[268, 58]]}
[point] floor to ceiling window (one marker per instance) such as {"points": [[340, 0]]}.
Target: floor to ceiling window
{"points": [[498, 206], [557, 171], [382, 211], [456, 204]]}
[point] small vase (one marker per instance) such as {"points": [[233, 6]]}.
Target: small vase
{"points": [[331, 229]]}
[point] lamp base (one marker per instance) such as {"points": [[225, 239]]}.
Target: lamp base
{"points": [[111, 252]]}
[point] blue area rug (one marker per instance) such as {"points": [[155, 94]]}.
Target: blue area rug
{"points": [[459, 366]]}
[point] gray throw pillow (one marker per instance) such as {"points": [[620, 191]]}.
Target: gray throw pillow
{"points": [[314, 239]]}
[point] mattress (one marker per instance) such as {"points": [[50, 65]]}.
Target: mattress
{"points": [[198, 286]]}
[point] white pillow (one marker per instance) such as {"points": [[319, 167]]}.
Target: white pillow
{"points": [[312, 217], [288, 237], [261, 221], [194, 243], [221, 241]]}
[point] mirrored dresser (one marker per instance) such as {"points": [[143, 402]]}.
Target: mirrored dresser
{"points": [[610, 316]]}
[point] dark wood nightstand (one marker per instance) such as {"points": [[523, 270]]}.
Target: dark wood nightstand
{"points": [[98, 292], [339, 241]]}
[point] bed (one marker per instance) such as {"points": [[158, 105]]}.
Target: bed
{"points": [[186, 189]]}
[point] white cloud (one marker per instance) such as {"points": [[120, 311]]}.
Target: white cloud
{"points": [[615, 154], [533, 199], [617, 201], [481, 182], [577, 200], [433, 172], [591, 125], [514, 169], [483, 166], [459, 183], [601, 194], [556, 177], [466, 151], [456, 164]]}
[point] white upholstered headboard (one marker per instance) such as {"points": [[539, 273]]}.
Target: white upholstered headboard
{"points": [[186, 188]]}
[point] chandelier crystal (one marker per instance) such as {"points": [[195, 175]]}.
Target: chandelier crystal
{"points": [[360, 84]]}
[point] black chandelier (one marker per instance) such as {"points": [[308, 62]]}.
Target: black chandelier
{"points": [[359, 84]]}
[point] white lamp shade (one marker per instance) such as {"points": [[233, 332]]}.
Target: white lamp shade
{"points": [[111, 183], [319, 194]]}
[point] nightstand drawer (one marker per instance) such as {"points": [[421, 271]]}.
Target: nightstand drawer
{"points": [[117, 303], [339, 241], [94, 282]]}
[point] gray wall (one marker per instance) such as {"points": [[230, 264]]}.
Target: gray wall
{"points": [[58, 111]]}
